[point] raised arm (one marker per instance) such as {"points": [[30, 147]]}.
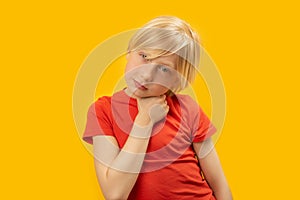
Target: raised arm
{"points": [[117, 169], [212, 170]]}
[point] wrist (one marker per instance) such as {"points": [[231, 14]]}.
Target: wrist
{"points": [[142, 120], [141, 132]]}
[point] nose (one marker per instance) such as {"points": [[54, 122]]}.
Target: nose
{"points": [[147, 73]]}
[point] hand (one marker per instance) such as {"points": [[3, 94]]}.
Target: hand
{"points": [[152, 109]]}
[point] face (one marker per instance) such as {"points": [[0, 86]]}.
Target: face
{"points": [[146, 78]]}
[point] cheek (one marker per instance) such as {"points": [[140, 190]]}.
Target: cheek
{"points": [[131, 71], [167, 81], [159, 88], [130, 66]]}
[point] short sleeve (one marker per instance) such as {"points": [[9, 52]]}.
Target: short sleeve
{"points": [[98, 120], [202, 128]]}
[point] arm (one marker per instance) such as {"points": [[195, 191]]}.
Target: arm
{"points": [[212, 170], [117, 169]]}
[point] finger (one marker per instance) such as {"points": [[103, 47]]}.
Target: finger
{"points": [[166, 110], [165, 107], [165, 103], [164, 100], [163, 96]]}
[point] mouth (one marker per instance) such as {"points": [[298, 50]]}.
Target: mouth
{"points": [[139, 85]]}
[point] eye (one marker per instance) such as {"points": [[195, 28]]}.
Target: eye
{"points": [[143, 56], [163, 68]]}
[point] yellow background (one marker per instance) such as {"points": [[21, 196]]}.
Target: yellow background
{"points": [[255, 45]]}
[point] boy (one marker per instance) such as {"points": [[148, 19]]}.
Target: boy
{"points": [[146, 137]]}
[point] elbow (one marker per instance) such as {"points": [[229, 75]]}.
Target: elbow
{"points": [[114, 192], [115, 195], [224, 195]]}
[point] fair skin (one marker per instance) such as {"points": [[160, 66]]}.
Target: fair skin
{"points": [[211, 167], [147, 82], [150, 78]]}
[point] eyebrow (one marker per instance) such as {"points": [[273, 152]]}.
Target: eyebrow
{"points": [[169, 64]]}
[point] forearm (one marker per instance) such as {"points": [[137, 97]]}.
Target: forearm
{"points": [[221, 191], [212, 170], [123, 170], [131, 157], [220, 187], [215, 177]]}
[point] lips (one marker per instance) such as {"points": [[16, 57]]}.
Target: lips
{"points": [[139, 85]]}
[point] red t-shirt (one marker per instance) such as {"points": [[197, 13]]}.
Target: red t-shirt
{"points": [[170, 169]]}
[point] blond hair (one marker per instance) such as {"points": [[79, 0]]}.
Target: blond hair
{"points": [[166, 35]]}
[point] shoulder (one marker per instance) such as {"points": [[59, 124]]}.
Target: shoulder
{"points": [[106, 100], [101, 104], [106, 103]]}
